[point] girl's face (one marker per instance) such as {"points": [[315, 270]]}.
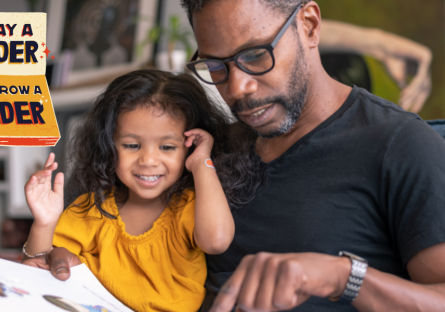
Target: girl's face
{"points": [[151, 151]]}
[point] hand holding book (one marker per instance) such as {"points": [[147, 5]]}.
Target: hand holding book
{"points": [[58, 261]]}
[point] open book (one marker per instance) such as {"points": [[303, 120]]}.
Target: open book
{"points": [[24, 288]]}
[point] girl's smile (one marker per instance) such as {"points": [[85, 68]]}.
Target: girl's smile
{"points": [[151, 151], [149, 181]]}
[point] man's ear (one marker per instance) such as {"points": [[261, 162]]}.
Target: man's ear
{"points": [[311, 19]]}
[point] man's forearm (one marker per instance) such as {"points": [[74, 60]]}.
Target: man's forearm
{"points": [[342, 37], [385, 292]]}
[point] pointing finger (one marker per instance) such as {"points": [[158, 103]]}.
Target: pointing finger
{"points": [[226, 299], [252, 281]]}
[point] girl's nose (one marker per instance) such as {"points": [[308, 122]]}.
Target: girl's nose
{"points": [[149, 158]]}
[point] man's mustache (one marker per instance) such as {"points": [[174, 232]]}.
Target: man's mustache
{"points": [[240, 106]]}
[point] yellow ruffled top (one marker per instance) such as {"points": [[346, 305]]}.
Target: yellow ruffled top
{"points": [[160, 270]]}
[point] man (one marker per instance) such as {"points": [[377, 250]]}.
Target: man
{"points": [[347, 171]]}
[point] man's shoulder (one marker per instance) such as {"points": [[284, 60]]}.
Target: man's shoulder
{"points": [[368, 117], [373, 110], [368, 122]]}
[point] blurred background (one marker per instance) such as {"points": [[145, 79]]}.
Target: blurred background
{"points": [[394, 49], [422, 23]]}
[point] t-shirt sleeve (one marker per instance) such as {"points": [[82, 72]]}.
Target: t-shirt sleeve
{"points": [[76, 230], [414, 187], [186, 224]]}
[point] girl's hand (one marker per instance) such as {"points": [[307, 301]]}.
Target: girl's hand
{"points": [[204, 143], [45, 204]]}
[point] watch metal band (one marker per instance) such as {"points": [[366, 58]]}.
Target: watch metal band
{"points": [[355, 280]]}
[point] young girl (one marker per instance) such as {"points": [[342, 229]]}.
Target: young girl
{"points": [[144, 221]]}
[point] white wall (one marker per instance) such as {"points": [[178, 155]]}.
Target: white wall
{"points": [[23, 162], [19, 6]]}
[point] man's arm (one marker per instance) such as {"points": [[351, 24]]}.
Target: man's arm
{"points": [[392, 50], [275, 282], [385, 292]]}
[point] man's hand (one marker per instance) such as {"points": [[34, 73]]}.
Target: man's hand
{"points": [[58, 261], [276, 282]]}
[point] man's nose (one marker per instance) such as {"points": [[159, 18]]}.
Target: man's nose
{"points": [[239, 83]]}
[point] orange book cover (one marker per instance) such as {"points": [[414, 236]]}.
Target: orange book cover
{"points": [[27, 115]]}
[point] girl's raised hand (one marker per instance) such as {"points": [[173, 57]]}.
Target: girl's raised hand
{"points": [[203, 142], [45, 204]]}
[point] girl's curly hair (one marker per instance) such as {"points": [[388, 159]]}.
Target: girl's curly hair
{"points": [[94, 156]]}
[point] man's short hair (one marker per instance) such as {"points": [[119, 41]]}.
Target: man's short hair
{"points": [[283, 6]]}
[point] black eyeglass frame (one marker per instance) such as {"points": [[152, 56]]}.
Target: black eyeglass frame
{"points": [[269, 47]]}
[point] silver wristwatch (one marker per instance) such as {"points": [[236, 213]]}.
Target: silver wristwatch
{"points": [[355, 280]]}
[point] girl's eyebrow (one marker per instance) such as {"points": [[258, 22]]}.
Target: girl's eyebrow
{"points": [[165, 137], [130, 135], [172, 137]]}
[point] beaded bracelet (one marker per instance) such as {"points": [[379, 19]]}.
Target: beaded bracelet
{"points": [[37, 255]]}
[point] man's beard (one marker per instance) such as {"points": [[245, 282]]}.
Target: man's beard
{"points": [[293, 101]]}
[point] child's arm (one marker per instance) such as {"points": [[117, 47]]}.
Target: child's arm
{"points": [[214, 225], [46, 206]]}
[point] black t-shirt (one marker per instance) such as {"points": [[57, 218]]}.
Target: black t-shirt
{"points": [[369, 180]]}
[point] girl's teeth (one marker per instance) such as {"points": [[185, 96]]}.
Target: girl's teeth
{"points": [[149, 178], [259, 113]]}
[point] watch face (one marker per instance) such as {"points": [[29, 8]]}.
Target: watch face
{"points": [[351, 256]]}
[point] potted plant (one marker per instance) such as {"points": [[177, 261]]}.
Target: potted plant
{"points": [[173, 59]]}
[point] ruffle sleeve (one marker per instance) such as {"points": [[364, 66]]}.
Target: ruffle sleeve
{"points": [[77, 228], [185, 218]]}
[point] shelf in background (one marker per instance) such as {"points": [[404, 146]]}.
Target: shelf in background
{"points": [[4, 186], [76, 96], [11, 254], [85, 92]]}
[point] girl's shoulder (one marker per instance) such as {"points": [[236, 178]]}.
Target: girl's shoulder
{"points": [[185, 202], [80, 223], [183, 211], [182, 214]]}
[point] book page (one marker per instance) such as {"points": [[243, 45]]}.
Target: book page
{"points": [[24, 288]]}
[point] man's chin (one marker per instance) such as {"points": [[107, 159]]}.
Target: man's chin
{"points": [[271, 131], [269, 135], [267, 132], [264, 131], [275, 126]]}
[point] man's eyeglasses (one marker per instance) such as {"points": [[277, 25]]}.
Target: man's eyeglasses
{"points": [[254, 61]]}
